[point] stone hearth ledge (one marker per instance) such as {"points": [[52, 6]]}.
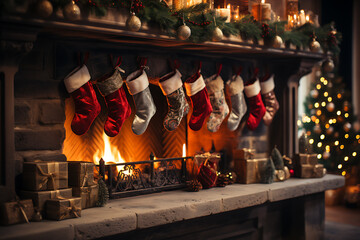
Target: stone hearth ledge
{"points": [[127, 214]]}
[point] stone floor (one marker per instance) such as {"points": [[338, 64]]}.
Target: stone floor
{"points": [[342, 223]]}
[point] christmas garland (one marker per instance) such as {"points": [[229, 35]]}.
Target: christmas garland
{"points": [[202, 22]]}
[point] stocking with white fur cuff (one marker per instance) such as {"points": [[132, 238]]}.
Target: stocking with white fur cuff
{"points": [[238, 104], [87, 107], [138, 85], [215, 86], [196, 90], [172, 87], [256, 106], [271, 103]]}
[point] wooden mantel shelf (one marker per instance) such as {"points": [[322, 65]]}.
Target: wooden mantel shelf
{"points": [[112, 30]]}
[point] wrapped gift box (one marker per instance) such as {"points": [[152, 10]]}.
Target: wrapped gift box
{"points": [[310, 171], [60, 209], [244, 153], [81, 174], [17, 212], [303, 158], [89, 195], [39, 198], [212, 157], [45, 176], [249, 170]]}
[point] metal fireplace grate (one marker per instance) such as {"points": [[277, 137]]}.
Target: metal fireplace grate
{"points": [[143, 177]]}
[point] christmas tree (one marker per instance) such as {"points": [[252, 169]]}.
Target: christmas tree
{"points": [[329, 123]]}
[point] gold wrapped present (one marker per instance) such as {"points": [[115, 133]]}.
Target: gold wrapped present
{"points": [[310, 171], [250, 170], [212, 157], [81, 174], [244, 153], [303, 158], [60, 209], [39, 198], [17, 212], [45, 175], [89, 195]]}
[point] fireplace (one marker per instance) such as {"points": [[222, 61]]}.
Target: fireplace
{"points": [[36, 116]]}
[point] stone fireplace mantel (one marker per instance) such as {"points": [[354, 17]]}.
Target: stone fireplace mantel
{"points": [[291, 208]]}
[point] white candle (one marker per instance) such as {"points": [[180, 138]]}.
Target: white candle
{"points": [[302, 17], [261, 11]]}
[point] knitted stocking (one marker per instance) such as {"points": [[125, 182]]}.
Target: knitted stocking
{"points": [[256, 105], [238, 104], [271, 103]]}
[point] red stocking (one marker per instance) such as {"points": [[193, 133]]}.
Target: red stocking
{"points": [[116, 101], [87, 106], [256, 105], [196, 90]]}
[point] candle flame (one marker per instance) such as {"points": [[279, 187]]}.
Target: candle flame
{"points": [[307, 18], [262, 1], [228, 6], [184, 150]]}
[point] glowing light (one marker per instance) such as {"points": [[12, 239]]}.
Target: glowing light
{"points": [[346, 158], [329, 99], [330, 121], [313, 118], [319, 144], [311, 141], [338, 113], [322, 136], [346, 135], [228, 6], [327, 125], [316, 105], [354, 154], [357, 136], [326, 94], [346, 115], [184, 150], [327, 148], [339, 95], [325, 82], [323, 104], [322, 79], [343, 173], [340, 166], [298, 122], [334, 120], [317, 121], [336, 143], [318, 112], [342, 146], [319, 156], [318, 86]]}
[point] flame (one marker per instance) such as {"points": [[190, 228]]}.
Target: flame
{"points": [[228, 6], [184, 150], [110, 153], [262, 1]]}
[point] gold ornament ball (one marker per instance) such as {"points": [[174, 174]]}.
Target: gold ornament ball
{"points": [[217, 35], [72, 11], [44, 8], [328, 65], [277, 42], [133, 23], [183, 32], [347, 127], [315, 46], [317, 129], [326, 155], [330, 107], [329, 131]]}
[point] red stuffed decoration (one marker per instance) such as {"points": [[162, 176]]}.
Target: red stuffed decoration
{"points": [[207, 175]]}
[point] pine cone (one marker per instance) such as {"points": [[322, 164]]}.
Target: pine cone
{"points": [[193, 186], [222, 180]]}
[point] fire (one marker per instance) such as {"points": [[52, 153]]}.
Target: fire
{"points": [[184, 150], [110, 153]]}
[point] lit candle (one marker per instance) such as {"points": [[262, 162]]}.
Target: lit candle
{"points": [[307, 18], [223, 12], [261, 11], [302, 17]]}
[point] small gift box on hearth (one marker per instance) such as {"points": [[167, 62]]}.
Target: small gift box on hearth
{"points": [[207, 168], [42, 176], [60, 209], [306, 166], [40, 197], [81, 174], [247, 168], [20, 211], [89, 195]]}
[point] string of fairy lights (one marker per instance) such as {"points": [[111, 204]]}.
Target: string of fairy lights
{"points": [[327, 128]]}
